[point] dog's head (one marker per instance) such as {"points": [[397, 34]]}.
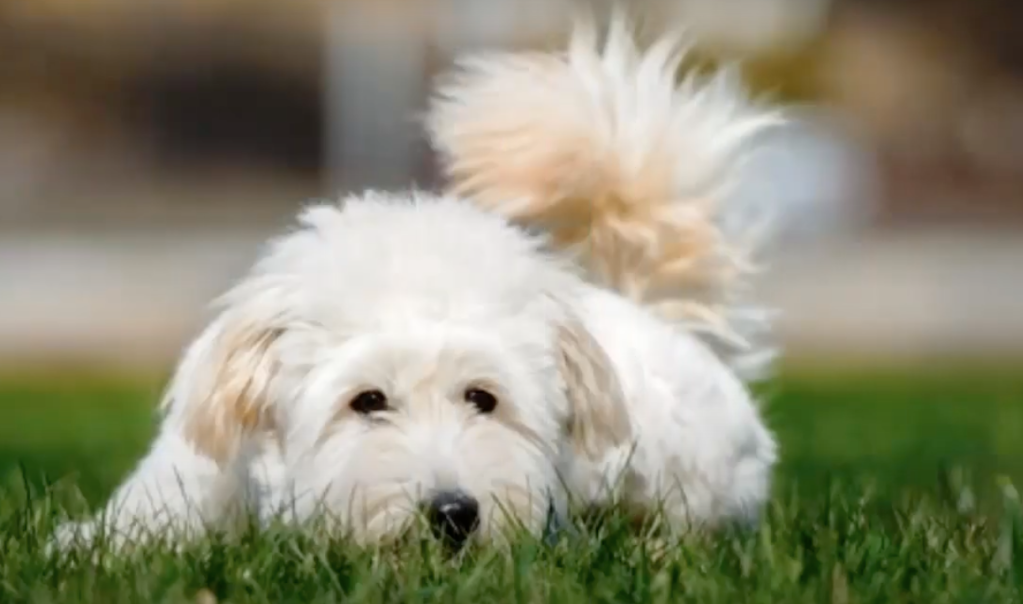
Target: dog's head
{"points": [[409, 357]]}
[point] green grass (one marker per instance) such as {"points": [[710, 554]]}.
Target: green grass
{"points": [[894, 488]]}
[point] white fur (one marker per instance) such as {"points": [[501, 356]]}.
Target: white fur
{"points": [[700, 448], [422, 296], [627, 167]]}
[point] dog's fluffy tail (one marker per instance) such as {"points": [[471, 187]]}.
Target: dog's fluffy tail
{"points": [[606, 150]]}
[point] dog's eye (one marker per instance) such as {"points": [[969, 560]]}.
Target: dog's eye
{"points": [[368, 402], [481, 399]]}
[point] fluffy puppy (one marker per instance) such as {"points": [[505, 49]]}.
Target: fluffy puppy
{"points": [[399, 354], [394, 354]]}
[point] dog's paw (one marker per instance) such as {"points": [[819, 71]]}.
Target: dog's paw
{"points": [[71, 536]]}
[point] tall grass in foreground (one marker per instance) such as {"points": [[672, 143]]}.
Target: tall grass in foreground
{"points": [[846, 543]]}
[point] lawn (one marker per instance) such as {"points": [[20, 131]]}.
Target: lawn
{"points": [[895, 487]]}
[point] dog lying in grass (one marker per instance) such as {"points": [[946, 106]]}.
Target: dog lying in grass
{"points": [[565, 324]]}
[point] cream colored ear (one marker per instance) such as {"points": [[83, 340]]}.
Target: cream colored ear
{"points": [[220, 395], [600, 419]]}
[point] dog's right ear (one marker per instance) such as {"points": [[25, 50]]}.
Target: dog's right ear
{"points": [[219, 395], [600, 419]]}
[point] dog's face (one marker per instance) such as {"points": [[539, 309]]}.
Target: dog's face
{"points": [[452, 424], [408, 359]]}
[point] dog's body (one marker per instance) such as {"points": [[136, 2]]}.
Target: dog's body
{"points": [[407, 353]]}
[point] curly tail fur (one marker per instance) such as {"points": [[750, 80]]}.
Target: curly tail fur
{"points": [[607, 151]]}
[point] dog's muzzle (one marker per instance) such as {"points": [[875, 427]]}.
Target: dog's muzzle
{"points": [[453, 516]]}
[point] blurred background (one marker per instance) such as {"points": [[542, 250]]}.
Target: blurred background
{"points": [[147, 148]]}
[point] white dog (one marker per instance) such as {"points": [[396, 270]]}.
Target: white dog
{"points": [[405, 353]]}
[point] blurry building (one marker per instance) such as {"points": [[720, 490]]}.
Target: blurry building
{"points": [[226, 91]]}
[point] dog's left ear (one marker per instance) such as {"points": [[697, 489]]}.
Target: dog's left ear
{"points": [[600, 420]]}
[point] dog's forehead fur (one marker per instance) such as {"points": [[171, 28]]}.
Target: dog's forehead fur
{"points": [[378, 262]]}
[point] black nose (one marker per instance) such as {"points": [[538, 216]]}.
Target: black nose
{"points": [[453, 516]]}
